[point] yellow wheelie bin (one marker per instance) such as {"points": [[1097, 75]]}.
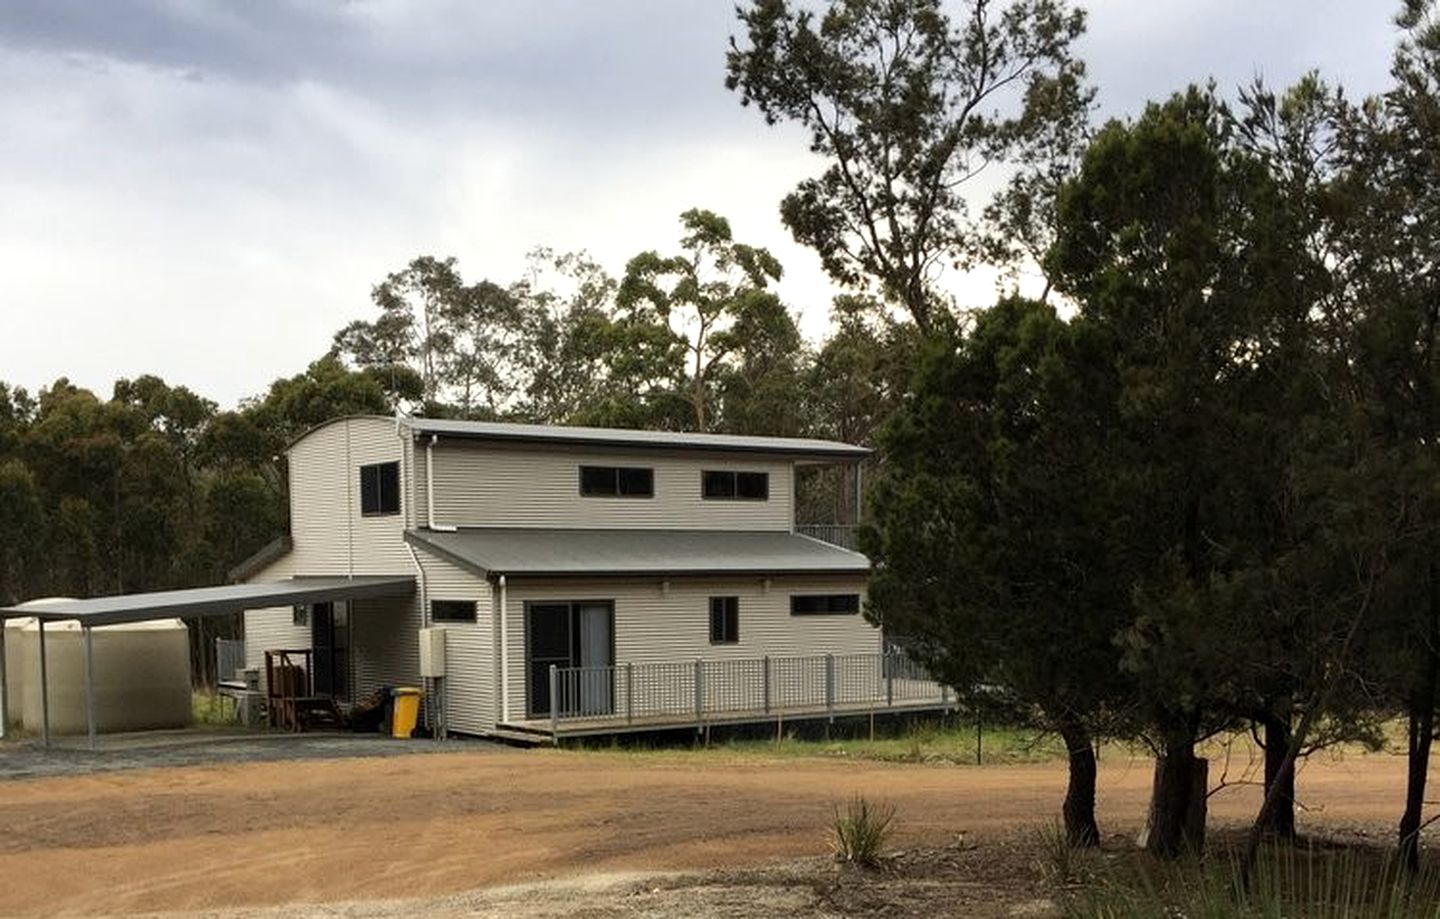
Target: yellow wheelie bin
{"points": [[404, 710]]}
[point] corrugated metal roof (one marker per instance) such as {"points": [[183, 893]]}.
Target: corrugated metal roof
{"points": [[617, 437], [214, 601], [557, 552]]}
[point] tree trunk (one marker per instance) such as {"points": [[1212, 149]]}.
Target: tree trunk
{"points": [[1177, 804], [1279, 821], [1422, 732], [1079, 808]]}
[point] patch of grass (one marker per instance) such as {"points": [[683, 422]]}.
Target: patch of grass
{"points": [[858, 833], [1314, 881], [952, 745], [207, 707]]}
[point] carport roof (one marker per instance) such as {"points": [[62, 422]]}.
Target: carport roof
{"points": [[213, 601], [618, 553]]}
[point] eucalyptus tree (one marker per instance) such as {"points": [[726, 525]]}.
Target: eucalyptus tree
{"points": [[701, 309], [908, 106]]}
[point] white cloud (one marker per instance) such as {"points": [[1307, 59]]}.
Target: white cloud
{"points": [[210, 194]]}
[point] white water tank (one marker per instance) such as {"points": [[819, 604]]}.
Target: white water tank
{"points": [[14, 672], [141, 674]]}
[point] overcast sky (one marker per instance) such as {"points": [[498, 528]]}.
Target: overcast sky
{"points": [[208, 190]]}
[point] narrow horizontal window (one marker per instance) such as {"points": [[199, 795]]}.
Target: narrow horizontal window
{"points": [[617, 482], [728, 484], [452, 610], [724, 620], [380, 489], [824, 604]]}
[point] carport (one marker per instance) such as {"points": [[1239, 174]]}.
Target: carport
{"points": [[180, 604]]}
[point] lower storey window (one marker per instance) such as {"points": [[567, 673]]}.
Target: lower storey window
{"points": [[724, 620], [452, 610], [824, 604]]}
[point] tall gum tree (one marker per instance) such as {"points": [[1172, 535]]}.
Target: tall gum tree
{"points": [[908, 106]]}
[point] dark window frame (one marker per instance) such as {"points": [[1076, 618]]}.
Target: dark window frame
{"points": [[618, 476], [725, 611], [375, 480], [470, 617], [824, 604], [733, 490]]}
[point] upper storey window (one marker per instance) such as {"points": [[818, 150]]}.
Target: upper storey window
{"points": [[727, 484], [617, 482], [380, 489]]}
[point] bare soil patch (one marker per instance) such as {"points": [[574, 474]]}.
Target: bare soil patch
{"points": [[343, 836]]}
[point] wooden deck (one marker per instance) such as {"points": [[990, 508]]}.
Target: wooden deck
{"points": [[543, 730]]}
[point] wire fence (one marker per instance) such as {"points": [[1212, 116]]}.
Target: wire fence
{"points": [[697, 690]]}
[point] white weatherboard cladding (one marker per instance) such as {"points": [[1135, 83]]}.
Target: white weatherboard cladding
{"points": [[272, 628], [384, 644], [653, 625], [469, 684], [537, 486], [331, 537]]}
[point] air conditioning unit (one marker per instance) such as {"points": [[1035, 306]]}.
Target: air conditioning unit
{"points": [[432, 652]]}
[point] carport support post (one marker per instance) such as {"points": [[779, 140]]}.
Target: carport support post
{"points": [[44, 689], [4, 699], [89, 690]]}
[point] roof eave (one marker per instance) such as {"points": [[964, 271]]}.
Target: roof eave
{"points": [[839, 452]]}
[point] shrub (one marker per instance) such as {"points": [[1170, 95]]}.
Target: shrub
{"points": [[860, 832]]}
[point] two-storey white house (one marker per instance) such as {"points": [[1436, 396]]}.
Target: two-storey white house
{"points": [[585, 579]]}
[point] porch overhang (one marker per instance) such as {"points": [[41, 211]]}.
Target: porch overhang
{"points": [[597, 553]]}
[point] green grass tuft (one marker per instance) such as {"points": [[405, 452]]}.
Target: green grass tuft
{"points": [[858, 833]]}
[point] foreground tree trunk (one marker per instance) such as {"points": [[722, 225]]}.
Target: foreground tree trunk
{"points": [[1422, 732], [1079, 808], [1178, 802], [1278, 822]]}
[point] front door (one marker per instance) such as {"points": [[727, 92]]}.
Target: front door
{"points": [[329, 636], [571, 635]]}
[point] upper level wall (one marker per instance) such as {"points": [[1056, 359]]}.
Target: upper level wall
{"points": [[330, 535], [539, 486]]}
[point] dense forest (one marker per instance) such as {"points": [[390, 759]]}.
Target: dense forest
{"points": [[1193, 488]]}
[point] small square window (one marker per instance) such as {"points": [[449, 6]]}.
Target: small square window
{"points": [[380, 489], [452, 611], [300, 615], [724, 620]]}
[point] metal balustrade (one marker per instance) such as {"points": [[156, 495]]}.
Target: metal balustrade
{"points": [[698, 691], [837, 534]]}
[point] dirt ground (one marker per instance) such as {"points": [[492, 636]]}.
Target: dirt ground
{"points": [[580, 833]]}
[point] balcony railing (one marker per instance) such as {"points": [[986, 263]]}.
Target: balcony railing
{"points": [[697, 692], [837, 534]]}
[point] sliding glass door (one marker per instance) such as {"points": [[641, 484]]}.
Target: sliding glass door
{"points": [[571, 634]]}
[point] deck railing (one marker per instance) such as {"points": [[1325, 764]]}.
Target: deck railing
{"points": [[697, 691], [837, 534]]}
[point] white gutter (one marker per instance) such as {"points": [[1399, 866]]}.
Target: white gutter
{"points": [[430, 487], [504, 653]]}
